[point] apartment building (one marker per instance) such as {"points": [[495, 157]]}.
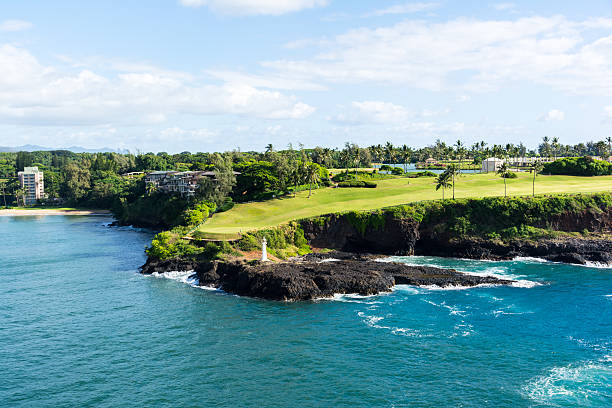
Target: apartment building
{"points": [[32, 180]]}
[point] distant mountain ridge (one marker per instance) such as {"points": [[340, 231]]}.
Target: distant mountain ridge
{"points": [[74, 149]]}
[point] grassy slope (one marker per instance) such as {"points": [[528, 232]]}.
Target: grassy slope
{"points": [[250, 216]]}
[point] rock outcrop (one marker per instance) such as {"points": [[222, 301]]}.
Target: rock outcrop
{"points": [[399, 236], [308, 278]]}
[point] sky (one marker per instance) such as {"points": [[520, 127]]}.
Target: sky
{"points": [[217, 75]]}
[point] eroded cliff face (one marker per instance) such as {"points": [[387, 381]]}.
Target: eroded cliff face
{"points": [[397, 236], [394, 237]]}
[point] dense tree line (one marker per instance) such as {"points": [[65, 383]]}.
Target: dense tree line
{"points": [[95, 179]]}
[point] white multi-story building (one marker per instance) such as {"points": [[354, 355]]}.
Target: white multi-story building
{"points": [[31, 179]]}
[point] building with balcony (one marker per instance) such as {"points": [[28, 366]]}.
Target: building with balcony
{"points": [[31, 179]]}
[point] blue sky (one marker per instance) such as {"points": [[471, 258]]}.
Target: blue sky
{"points": [[203, 75]]}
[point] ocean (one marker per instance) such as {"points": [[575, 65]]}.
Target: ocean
{"points": [[80, 327]]}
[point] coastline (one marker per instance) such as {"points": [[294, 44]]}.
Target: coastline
{"points": [[50, 211]]}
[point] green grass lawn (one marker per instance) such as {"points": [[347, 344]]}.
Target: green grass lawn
{"points": [[257, 215]]}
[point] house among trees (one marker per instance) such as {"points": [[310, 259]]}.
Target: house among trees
{"points": [[431, 160], [184, 183]]}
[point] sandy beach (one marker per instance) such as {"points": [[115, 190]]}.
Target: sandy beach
{"points": [[50, 211]]}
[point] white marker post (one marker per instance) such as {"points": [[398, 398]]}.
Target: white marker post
{"points": [[264, 250]]}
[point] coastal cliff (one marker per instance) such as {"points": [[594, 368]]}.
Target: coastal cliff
{"points": [[563, 229], [570, 229]]}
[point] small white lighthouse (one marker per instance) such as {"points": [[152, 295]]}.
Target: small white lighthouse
{"points": [[264, 250]]}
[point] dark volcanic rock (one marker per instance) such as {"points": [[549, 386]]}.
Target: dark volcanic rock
{"points": [[398, 236], [575, 251], [305, 280], [152, 266]]}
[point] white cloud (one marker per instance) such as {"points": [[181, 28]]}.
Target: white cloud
{"points": [[405, 8], [466, 55], [379, 112], [553, 114], [255, 7], [15, 25], [32, 93], [504, 6], [608, 113], [266, 81], [382, 112]]}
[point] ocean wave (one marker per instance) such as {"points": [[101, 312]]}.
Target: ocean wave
{"points": [[328, 260], [351, 298], [188, 277], [499, 272], [373, 322], [452, 310], [581, 384], [598, 265], [529, 259]]}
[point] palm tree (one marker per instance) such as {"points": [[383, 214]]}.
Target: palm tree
{"points": [[609, 140], [21, 194], [504, 172], [4, 192], [555, 146], [451, 171], [536, 167], [269, 148], [442, 183], [312, 176]]}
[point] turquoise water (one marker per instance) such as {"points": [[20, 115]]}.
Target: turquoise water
{"points": [[81, 328]]}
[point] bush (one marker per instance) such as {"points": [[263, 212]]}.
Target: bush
{"points": [[357, 184], [227, 205], [578, 166], [397, 171], [510, 175], [422, 174], [248, 243]]}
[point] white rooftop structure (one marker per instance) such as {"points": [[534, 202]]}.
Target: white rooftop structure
{"points": [[491, 164]]}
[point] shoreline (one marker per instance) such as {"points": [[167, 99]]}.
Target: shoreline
{"points": [[50, 211]]}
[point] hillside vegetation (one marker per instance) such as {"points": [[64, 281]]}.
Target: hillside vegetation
{"points": [[391, 192]]}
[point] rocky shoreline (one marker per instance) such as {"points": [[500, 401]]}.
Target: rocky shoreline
{"points": [[318, 276]]}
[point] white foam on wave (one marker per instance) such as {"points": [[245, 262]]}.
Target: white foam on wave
{"points": [[187, 277], [530, 259], [499, 272], [581, 384], [452, 310], [351, 298], [413, 290], [373, 322], [598, 265], [328, 260], [588, 264]]}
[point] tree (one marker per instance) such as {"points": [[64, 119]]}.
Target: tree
{"points": [[609, 140], [77, 181], [504, 172], [269, 148], [3, 186], [442, 183], [312, 176], [536, 167], [217, 189], [451, 172]]}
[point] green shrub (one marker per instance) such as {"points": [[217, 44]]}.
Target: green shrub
{"points": [[578, 166], [248, 243], [397, 171], [227, 205], [357, 184]]}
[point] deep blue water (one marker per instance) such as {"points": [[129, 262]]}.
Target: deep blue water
{"points": [[79, 327]]}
